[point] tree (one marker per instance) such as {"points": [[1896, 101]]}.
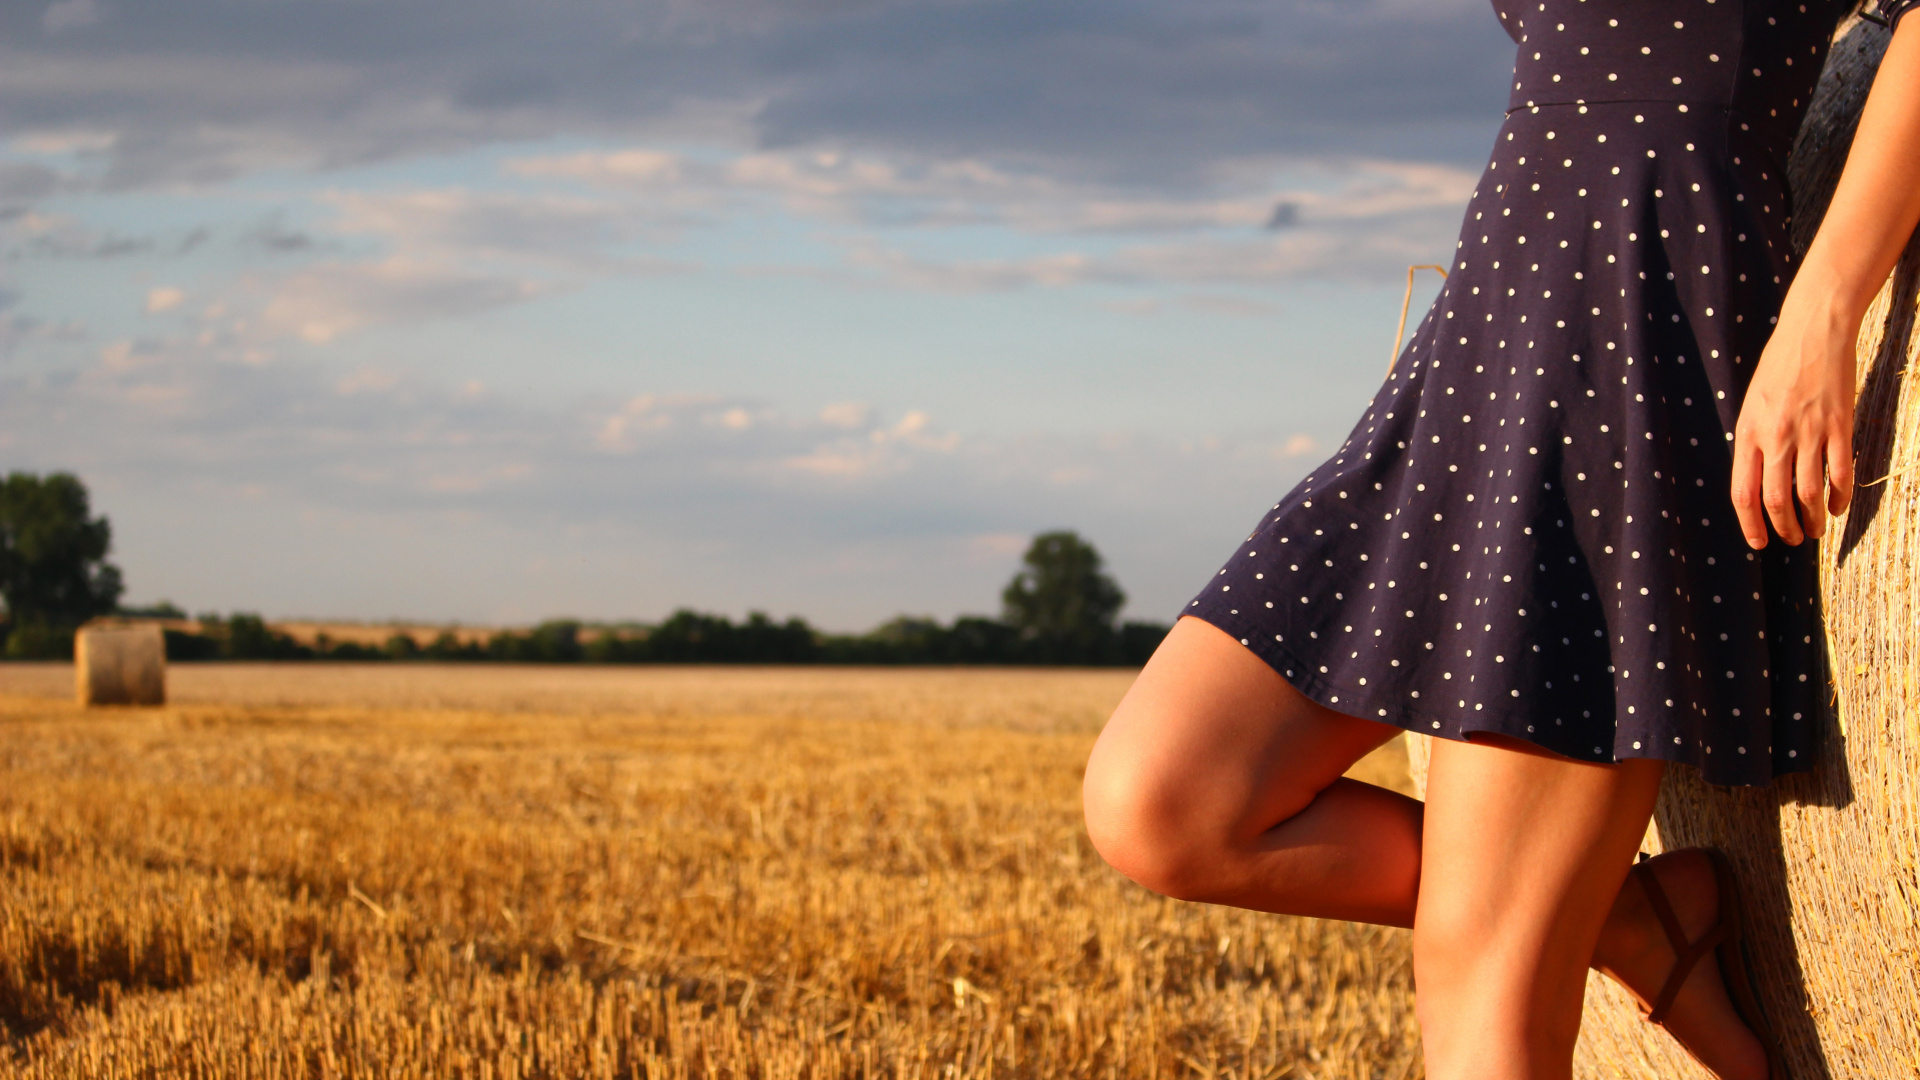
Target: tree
{"points": [[53, 569], [1062, 603]]}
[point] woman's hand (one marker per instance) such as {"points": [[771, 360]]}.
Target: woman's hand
{"points": [[1793, 443]]}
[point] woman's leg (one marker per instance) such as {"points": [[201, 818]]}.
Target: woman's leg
{"points": [[1217, 781], [1524, 854]]}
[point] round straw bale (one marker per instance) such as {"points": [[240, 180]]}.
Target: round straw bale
{"points": [[120, 664], [1827, 858]]}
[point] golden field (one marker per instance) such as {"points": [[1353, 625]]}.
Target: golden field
{"points": [[418, 871]]}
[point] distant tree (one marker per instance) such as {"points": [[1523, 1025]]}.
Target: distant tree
{"points": [[447, 646], [690, 637], [556, 641], [165, 609], [241, 636], [53, 569], [246, 636], [184, 645], [1138, 640], [1062, 602], [974, 640]]}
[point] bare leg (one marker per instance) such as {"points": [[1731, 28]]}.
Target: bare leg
{"points": [[1217, 781], [1524, 854]]}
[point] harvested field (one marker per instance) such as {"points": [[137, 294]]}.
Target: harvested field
{"points": [[406, 870]]}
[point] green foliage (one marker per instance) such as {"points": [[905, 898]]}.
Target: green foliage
{"points": [[688, 637], [553, 642], [348, 650], [241, 636], [185, 646], [165, 609], [1061, 610], [53, 569], [250, 638], [38, 641], [1063, 603], [447, 647], [1138, 640]]}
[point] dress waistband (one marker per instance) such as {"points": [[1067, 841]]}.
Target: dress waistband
{"points": [[1771, 136]]}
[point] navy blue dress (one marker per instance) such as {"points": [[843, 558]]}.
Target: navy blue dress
{"points": [[1529, 532]]}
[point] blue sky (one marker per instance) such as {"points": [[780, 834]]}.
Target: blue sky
{"points": [[492, 311]]}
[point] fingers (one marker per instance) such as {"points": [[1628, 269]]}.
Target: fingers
{"points": [[1810, 489], [1839, 472], [1777, 495], [1747, 476]]}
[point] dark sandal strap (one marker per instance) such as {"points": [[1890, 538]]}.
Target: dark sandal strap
{"points": [[1686, 954], [1734, 972]]}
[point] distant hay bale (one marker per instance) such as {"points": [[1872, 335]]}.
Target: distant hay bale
{"points": [[120, 664], [1828, 857]]}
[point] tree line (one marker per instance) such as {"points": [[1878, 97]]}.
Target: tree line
{"points": [[1060, 608]]}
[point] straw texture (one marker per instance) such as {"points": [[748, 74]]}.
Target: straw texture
{"points": [[120, 664], [1827, 858]]}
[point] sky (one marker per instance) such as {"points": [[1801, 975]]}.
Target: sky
{"points": [[493, 310]]}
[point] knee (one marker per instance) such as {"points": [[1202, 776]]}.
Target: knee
{"points": [[1142, 827], [1447, 941]]}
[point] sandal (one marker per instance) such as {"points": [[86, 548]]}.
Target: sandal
{"points": [[1726, 940]]}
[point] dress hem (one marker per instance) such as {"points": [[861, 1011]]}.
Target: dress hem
{"points": [[1327, 693]]}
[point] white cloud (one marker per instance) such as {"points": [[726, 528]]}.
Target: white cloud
{"points": [[1363, 219], [70, 15], [319, 304], [874, 187], [164, 298], [559, 232], [1000, 545], [644, 418], [846, 414], [876, 452], [872, 516], [1299, 445], [65, 141]]}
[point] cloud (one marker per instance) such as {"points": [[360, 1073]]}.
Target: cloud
{"points": [[876, 452], [438, 254], [566, 232], [24, 182], [70, 15], [1352, 219], [319, 304], [1164, 156], [377, 439], [27, 234], [1299, 445], [1130, 89], [18, 330], [846, 414], [878, 189]]}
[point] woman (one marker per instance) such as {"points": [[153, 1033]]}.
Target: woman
{"points": [[1546, 543]]}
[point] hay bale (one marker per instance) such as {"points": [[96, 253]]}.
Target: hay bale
{"points": [[1828, 857], [120, 664]]}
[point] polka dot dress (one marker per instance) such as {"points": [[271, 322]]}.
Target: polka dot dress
{"points": [[1529, 532]]}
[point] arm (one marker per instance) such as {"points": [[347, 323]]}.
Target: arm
{"points": [[1794, 438]]}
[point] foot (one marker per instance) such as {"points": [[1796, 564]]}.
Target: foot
{"points": [[1635, 952]]}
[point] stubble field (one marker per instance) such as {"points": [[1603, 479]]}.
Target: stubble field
{"points": [[419, 871]]}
